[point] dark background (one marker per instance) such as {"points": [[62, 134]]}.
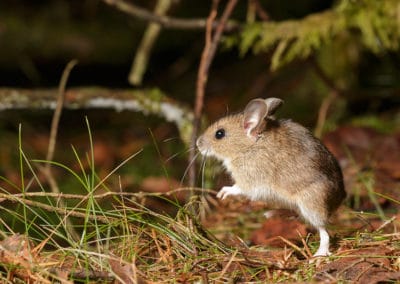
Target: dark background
{"points": [[38, 38]]}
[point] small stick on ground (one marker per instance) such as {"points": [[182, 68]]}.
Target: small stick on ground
{"points": [[231, 259], [307, 249], [84, 197], [294, 247]]}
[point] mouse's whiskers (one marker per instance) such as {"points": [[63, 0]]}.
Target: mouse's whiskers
{"points": [[202, 170], [176, 154], [189, 166]]}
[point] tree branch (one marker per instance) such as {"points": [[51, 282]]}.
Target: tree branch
{"points": [[146, 101], [153, 29], [164, 21]]}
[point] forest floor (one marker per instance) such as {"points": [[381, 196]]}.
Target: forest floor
{"points": [[153, 237]]}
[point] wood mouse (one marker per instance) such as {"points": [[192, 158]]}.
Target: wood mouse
{"points": [[277, 161]]}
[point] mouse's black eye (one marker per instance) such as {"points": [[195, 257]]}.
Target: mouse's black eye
{"points": [[220, 133]]}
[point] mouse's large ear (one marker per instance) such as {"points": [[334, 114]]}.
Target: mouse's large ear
{"points": [[273, 104], [255, 113]]}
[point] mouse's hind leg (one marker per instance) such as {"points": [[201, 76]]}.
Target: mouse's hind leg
{"points": [[318, 217], [323, 249]]}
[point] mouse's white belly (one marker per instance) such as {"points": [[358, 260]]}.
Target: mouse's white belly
{"points": [[269, 195]]}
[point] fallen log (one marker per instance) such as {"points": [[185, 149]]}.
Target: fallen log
{"points": [[146, 101]]}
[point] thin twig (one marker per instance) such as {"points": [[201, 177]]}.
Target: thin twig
{"points": [[164, 21], [151, 34], [218, 32], [57, 112], [201, 81], [304, 243], [7, 196], [294, 246], [205, 63], [231, 259], [46, 170], [61, 211], [323, 112], [261, 13], [384, 224], [335, 92]]}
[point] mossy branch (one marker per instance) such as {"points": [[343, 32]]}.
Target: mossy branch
{"points": [[146, 101]]}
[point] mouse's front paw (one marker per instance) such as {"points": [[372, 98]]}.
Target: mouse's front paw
{"points": [[228, 190]]}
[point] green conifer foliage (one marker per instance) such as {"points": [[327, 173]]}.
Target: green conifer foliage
{"points": [[374, 23]]}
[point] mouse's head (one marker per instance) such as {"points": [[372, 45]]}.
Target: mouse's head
{"points": [[234, 134]]}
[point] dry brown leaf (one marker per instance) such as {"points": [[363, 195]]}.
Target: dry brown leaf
{"points": [[16, 253], [126, 272], [366, 265], [272, 228]]}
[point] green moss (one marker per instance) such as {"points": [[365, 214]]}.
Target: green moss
{"points": [[374, 23]]}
